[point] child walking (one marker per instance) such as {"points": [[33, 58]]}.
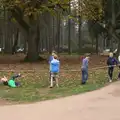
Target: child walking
{"points": [[111, 62], [84, 69], [50, 59], [54, 71]]}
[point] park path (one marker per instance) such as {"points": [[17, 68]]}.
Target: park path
{"points": [[103, 104]]}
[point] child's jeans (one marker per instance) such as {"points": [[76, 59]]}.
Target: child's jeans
{"points": [[17, 84], [84, 75], [119, 76]]}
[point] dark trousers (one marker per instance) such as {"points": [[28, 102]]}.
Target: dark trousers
{"points": [[84, 76], [110, 72]]}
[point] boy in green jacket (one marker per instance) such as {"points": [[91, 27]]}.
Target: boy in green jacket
{"points": [[10, 82]]}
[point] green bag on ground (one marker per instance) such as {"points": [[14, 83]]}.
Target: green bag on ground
{"points": [[11, 83]]}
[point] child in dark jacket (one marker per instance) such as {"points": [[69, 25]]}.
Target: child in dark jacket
{"points": [[111, 62]]}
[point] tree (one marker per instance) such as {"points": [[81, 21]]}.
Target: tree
{"points": [[89, 10], [110, 22], [26, 13]]}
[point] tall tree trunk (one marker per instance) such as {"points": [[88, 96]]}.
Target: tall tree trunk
{"points": [[58, 35], [69, 31], [15, 42], [118, 50], [97, 44], [33, 54], [31, 32], [79, 40], [113, 24]]}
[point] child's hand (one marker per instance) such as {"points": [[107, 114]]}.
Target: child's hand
{"points": [[19, 74]]}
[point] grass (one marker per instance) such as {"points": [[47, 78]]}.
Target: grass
{"points": [[35, 86]]}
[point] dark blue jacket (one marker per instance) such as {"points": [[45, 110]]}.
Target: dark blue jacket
{"points": [[112, 61]]}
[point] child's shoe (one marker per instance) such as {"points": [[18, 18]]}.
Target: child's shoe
{"points": [[110, 80]]}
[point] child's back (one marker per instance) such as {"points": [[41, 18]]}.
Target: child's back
{"points": [[54, 66], [85, 63]]}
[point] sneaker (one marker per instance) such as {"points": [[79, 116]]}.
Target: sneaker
{"points": [[51, 86], [83, 83], [110, 80]]}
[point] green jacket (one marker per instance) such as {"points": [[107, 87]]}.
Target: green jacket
{"points": [[11, 83]]}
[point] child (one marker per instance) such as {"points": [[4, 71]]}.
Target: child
{"points": [[111, 61], [52, 56], [54, 70], [84, 69], [11, 82], [50, 59]]}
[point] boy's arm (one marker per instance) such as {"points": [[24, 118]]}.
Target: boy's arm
{"points": [[50, 58], [15, 76]]}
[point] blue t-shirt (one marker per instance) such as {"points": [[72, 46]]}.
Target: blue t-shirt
{"points": [[55, 66]]}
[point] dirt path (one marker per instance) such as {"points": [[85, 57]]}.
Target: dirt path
{"points": [[101, 104]]}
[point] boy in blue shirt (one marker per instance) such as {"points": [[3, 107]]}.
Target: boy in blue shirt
{"points": [[54, 70], [50, 59]]}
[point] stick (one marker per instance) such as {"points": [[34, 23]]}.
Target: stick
{"points": [[6, 70]]}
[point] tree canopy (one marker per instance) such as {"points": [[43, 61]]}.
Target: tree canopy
{"points": [[29, 7], [25, 12], [88, 9]]}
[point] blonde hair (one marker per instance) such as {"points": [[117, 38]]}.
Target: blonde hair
{"points": [[87, 55], [55, 56], [111, 54]]}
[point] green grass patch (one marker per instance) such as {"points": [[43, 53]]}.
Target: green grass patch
{"points": [[35, 86]]}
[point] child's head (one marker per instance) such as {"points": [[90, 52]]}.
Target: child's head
{"points": [[87, 56], [55, 56], [4, 79], [54, 52], [111, 54]]}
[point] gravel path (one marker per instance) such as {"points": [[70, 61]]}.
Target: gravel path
{"points": [[103, 104]]}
